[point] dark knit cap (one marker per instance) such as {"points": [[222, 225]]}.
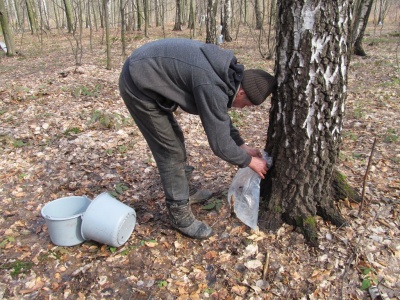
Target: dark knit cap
{"points": [[258, 85]]}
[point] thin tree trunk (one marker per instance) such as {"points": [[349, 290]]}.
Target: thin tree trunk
{"points": [[123, 43], [7, 32], [69, 15], [226, 24], [56, 15], [361, 16], [178, 16], [89, 15], [107, 27], [139, 15], [257, 12], [31, 17], [146, 17], [157, 12], [211, 25]]}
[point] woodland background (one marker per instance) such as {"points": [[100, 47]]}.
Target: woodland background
{"points": [[65, 131]]}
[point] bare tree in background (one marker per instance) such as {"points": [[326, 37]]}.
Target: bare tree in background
{"points": [[31, 16], [362, 11], [192, 19], [259, 17], [383, 9], [69, 15], [178, 17], [211, 24], [7, 32], [106, 9], [227, 20]]}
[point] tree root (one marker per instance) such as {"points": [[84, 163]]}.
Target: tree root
{"points": [[342, 190]]}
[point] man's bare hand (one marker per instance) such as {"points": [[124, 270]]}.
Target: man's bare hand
{"points": [[251, 151], [259, 166]]}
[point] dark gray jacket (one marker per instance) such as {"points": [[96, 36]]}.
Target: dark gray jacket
{"points": [[200, 78]]}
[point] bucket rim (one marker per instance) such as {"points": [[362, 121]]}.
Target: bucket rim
{"points": [[48, 217]]}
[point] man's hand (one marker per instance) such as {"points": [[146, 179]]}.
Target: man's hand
{"points": [[259, 166], [251, 151]]}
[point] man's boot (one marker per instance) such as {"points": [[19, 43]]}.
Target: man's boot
{"points": [[182, 219], [196, 195]]}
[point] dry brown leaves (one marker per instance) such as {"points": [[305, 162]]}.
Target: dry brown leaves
{"points": [[66, 132]]}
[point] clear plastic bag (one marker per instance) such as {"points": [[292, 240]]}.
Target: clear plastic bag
{"points": [[244, 194]]}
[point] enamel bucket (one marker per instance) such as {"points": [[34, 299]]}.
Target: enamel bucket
{"points": [[63, 219], [108, 221]]}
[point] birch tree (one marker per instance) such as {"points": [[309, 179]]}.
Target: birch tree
{"points": [[7, 32], [227, 20], [306, 116], [211, 24]]}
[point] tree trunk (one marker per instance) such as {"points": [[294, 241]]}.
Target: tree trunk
{"points": [[192, 19], [361, 17], [106, 10], [271, 25], [211, 26], [146, 17], [123, 42], [7, 33], [307, 111], [89, 15], [257, 12], [178, 15], [139, 16], [31, 17], [56, 16], [227, 20], [68, 14], [157, 12]]}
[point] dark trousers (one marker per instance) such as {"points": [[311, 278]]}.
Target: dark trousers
{"points": [[165, 139]]}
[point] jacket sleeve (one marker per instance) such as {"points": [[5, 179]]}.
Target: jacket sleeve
{"points": [[236, 135], [223, 137]]}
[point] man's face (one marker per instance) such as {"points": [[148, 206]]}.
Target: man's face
{"points": [[241, 100]]}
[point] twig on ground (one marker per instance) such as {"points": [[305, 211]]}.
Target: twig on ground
{"points": [[265, 269], [365, 178]]}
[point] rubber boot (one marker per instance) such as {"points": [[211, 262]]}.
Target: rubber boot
{"points": [[199, 196], [182, 219]]}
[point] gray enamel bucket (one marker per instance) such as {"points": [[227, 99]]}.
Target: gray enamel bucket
{"points": [[63, 219], [108, 221]]}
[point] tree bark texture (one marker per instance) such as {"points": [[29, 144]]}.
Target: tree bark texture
{"points": [[227, 20], [211, 22], [307, 110], [7, 33]]}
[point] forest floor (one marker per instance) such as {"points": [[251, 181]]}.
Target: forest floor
{"points": [[65, 131]]}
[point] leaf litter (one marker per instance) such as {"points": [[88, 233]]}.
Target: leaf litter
{"points": [[65, 131]]}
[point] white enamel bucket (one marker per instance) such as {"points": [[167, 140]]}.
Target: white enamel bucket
{"points": [[108, 221], [63, 219]]}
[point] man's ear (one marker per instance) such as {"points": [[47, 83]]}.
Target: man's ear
{"points": [[241, 91]]}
